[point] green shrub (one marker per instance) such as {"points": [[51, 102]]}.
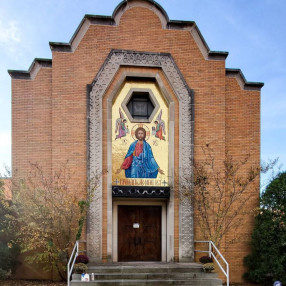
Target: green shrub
{"points": [[3, 274], [267, 261], [80, 268], [8, 253], [9, 250], [208, 267]]}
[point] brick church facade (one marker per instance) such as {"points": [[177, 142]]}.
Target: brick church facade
{"points": [[78, 107]]}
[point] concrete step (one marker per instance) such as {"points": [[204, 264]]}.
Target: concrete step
{"points": [[195, 282], [158, 275], [146, 267], [148, 274]]}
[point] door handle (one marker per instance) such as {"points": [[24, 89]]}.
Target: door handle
{"points": [[137, 240]]}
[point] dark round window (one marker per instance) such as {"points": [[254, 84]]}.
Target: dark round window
{"points": [[140, 105]]}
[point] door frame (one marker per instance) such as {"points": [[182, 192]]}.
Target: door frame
{"points": [[139, 203]]}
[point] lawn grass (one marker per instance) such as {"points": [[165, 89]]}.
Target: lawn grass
{"points": [[30, 283]]}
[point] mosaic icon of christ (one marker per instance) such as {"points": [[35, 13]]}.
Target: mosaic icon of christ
{"points": [[139, 161]]}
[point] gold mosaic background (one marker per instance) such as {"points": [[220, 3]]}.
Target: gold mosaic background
{"points": [[160, 148]]}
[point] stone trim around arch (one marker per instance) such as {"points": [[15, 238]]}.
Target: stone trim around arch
{"points": [[184, 94]]}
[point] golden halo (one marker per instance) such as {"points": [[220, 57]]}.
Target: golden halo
{"points": [[142, 126]]}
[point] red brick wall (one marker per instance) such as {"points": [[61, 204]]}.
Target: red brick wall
{"points": [[31, 123], [242, 139], [7, 185], [31, 137]]}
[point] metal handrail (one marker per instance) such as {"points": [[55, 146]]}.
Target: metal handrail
{"points": [[211, 254], [72, 259]]}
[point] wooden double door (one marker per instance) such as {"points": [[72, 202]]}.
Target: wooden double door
{"points": [[139, 233]]}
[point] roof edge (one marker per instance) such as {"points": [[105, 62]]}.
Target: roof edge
{"points": [[198, 37], [124, 3], [60, 47], [203, 46], [218, 55], [244, 84], [33, 70], [89, 19]]}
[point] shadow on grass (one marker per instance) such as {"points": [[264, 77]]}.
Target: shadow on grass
{"points": [[30, 283]]}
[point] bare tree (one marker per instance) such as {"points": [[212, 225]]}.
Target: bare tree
{"points": [[50, 215], [220, 192]]}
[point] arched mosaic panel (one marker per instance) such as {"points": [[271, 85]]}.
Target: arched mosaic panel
{"points": [[99, 86]]}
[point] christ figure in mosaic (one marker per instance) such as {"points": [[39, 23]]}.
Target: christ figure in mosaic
{"points": [[139, 161]]}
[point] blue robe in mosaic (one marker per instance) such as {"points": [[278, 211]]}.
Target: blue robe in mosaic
{"points": [[143, 166]]}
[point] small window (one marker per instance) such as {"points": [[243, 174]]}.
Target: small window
{"points": [[140, 106]]}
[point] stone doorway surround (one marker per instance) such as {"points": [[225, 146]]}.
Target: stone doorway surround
{"points": [[97, 89]]}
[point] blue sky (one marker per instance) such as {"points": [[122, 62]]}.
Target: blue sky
{"points": [[252, 31]]}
